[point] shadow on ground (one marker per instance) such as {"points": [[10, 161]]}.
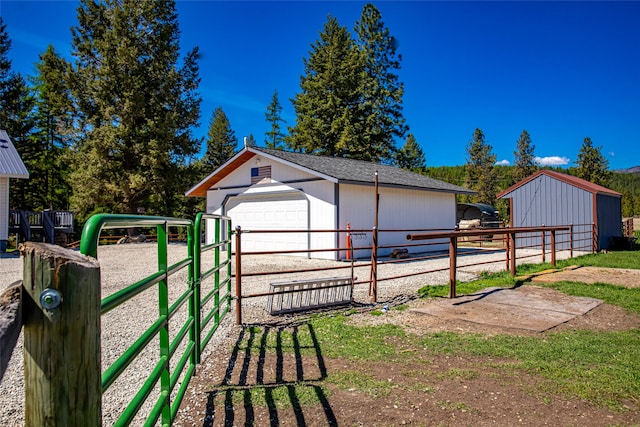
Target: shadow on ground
{"points": [[282, 384]]}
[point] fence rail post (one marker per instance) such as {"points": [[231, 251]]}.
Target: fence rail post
{"points": [[553, 248], [61, 337], [512, 267], [507, 250], [194, 251], [453, 261], [238, 276], [373, 286], [570, 240]]}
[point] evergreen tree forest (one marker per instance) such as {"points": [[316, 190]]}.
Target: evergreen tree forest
{"points": [[627, 184], [350, 104], [112, 129]]}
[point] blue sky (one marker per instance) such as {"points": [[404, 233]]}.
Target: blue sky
{"points": [[560, 70]]}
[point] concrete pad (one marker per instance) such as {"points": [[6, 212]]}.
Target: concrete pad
{"points": [[527, 307]]}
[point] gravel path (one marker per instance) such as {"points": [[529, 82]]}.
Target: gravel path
{"points": [[125, 264]]}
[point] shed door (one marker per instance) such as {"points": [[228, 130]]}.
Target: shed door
{"points": [[281, 211]]}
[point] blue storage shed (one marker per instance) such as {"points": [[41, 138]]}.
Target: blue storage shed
{"points": [[553, 198]]}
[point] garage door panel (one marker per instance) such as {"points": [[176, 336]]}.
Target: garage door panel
{"points": [[273, 212]]}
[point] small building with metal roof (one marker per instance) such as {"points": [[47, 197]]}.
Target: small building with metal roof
{"points": [[553, 198], [11, 166], [267, 189]]}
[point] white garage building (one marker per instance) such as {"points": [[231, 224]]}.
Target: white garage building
{"points": [[266, 189]]}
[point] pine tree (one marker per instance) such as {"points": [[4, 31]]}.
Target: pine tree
{"points": [[136, 106], [627, 204], [274, 138], [221, 141], [327, 117], [382, 92], [411, 156], [16, 98], [591, 164], [525, 163], [48, 164], [481, 175], [17, 118]]}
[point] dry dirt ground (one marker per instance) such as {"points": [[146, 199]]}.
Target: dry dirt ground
{"points": [[426, 390]]}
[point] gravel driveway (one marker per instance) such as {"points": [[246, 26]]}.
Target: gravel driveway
{"points": [[125, 264]]}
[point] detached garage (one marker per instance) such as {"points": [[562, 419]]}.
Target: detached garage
{"points": [[266, 189], [553, 198]]}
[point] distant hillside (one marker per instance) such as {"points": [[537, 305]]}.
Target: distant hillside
{"points": [[624, 181], [635, 169]]}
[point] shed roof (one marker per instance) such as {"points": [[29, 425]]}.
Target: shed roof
{"points": [[335, 169], [11, 165], [569, 179]]}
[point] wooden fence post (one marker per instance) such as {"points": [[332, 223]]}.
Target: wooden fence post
{"points": [[453, 265], [62, 372]]}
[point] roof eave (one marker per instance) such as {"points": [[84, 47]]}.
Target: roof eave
{"points": [[567, 179], [14, 175], [247, 153], [257, 150], [200, 189], [408, 187]]}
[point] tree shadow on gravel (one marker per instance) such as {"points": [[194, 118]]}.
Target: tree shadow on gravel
{"points": [[262, 380]]}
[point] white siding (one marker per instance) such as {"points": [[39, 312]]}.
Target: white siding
{"points": [[319, 201], [4, 208], [321, 195], [398, 209]]}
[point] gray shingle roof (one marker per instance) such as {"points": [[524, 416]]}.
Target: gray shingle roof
{"points": [[362, 172], [11, 165]]}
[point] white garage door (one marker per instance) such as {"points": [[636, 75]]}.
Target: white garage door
{"points": [[284, 211]]}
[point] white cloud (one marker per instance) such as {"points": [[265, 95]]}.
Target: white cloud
{"points": [[612, 154], [552, 161], [504, 162]]}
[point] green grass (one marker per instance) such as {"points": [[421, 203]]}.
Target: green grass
{"points": [[600, 367], [361, 382], [618, 259], [329, 335], [280, 396]]}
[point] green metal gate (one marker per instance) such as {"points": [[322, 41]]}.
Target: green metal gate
{"points": [[208, 296]]}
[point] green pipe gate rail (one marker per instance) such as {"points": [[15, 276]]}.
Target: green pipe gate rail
{"points": [[63, 379], [64, 382]]}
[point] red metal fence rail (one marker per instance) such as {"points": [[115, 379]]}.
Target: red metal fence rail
{"points": [[580, 237]]}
